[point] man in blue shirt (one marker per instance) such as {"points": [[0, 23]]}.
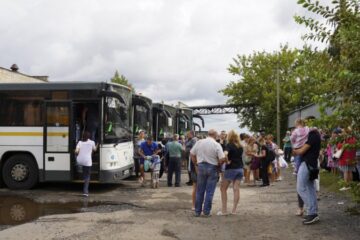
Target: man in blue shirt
{"points": [[147, 148]]}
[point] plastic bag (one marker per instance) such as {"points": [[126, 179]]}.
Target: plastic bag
{"points": [[283, 163], [146, 165]]}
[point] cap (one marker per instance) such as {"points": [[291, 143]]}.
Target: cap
{"points": [[337, 130]]}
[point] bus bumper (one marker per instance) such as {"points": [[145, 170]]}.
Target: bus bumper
{"points": [[115, 175]]}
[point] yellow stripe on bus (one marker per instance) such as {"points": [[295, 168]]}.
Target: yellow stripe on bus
{"points": [[33, 134]]}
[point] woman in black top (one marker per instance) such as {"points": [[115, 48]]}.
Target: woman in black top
{"points": [[264, 162], [233, 171]]}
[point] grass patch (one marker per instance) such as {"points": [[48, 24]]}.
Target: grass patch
{"points": [[333, 183], [330, 181]]}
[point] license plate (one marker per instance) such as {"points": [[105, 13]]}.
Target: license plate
{"points": [[126, 172]]}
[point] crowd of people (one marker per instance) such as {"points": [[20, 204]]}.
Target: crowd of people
{"points": [[224, 158], [254, 160]]}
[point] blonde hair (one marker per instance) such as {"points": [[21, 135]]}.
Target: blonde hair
{"points": [[300, 122], [234, 138], [251, 140], [262, 141], [269, 137]]}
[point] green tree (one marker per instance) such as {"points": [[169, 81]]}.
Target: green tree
{"points": [[339, 27], [121, 79], [255, 89]]}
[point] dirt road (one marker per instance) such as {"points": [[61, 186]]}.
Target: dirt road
{"points": [[131, 212]]}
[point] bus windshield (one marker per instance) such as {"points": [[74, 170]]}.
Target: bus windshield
{"points": [[141, 119], [117, 118]]}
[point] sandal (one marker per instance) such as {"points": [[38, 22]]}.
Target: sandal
{"points": [[220, 213]]}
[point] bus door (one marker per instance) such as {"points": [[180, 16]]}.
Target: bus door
{"points": [[57, 157]]}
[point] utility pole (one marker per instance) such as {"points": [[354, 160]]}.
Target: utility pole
{"points": [[278, 104]]}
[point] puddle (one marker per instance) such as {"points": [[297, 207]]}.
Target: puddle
{"points": [[16, 210]]}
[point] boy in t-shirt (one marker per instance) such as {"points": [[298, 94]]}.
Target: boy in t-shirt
{"points": [[155, 167], [298, 139]]}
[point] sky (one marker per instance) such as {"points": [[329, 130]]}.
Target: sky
{"points": [[169, 50]]}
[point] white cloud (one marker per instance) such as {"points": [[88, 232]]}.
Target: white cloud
{"points": [[169, 50]]}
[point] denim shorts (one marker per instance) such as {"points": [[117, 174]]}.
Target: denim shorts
{"points": [[234, 174]]}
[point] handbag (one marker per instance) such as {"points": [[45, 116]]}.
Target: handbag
{"points": [[338, 153], [313, 172]]}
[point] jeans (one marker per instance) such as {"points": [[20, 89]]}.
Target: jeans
{"points": [[306, 189], [287, 154], [86, 176], [174, 167], [297, 160], [300, 201], [206, 185]]}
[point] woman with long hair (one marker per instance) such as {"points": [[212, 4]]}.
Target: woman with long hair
{"points": [[264, 162], [233, 171], [250, 150]]}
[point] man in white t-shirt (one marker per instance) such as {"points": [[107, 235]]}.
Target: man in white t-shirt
{"points": [[207, 155]]}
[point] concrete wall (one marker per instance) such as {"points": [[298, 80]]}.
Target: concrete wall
{"points": [[8, 76], [311, 110]]}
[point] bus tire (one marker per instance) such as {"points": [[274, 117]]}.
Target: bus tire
{"points": [[20, 172]]}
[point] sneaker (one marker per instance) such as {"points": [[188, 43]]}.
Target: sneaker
{"points": [[207, 215], [85, 194], [310, 219], [196, 215], [344, 188]]}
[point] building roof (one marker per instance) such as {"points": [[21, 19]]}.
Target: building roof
{"points": [[10, 76]]}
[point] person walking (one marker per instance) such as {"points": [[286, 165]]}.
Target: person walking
{"points": [[233, 171], [207, 155], [287, 146], [84, 150], [175, 150], [307, 173]]}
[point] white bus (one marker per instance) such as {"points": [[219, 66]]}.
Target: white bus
{"points": [[40, 124]]}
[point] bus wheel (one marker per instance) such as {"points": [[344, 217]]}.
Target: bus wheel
{"points": [[20, 172]]}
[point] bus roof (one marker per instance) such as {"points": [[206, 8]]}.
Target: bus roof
{"points": [[143, 98], [57, 86], [164, 105]]}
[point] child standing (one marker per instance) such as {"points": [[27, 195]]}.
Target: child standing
{"points": [[155, 166], [298, 139]]}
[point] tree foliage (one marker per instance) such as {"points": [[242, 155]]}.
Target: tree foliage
{"points": [[340, 28], [121, 79], [255, 89]]}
